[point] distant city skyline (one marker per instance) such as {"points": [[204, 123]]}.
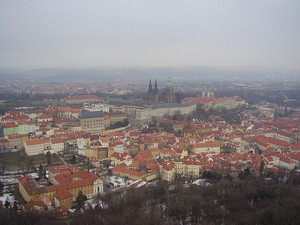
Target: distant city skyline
{"points": [[94, 33]]}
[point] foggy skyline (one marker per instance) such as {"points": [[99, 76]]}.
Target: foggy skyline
{"points": [[91, 33]]}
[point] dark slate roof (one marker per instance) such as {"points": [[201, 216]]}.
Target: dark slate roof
{"points": [[120, 100], [172, 105], [90, 114]]}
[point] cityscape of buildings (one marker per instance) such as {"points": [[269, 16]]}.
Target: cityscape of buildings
{"points": [[149, 112], [80, 142]]}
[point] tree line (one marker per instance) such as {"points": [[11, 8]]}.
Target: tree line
{"points": [[243, 201]]}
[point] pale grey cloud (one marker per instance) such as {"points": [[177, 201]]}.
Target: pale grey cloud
{"points": [[77, 33]]}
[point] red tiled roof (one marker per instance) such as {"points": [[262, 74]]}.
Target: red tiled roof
{"points": [[295, 155], [63, 194], [143, 156], [167, 165], [44, 116], [206, 145], [223, 99], [36, 142], [31, 204], [76, 177], [61, 210], [9, 125], [16, 136], [31, 186], [83, 97], [62, 168], [128, 171], [56, 140], [152, 166], [68, 109], [296, 147]]}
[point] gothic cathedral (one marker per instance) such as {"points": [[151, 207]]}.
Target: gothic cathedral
{"points": [[166, 95]]}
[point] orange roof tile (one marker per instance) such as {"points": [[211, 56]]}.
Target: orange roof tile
{"points": [[36, 142], [128, 171]]}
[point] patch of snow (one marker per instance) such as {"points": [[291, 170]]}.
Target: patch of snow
{"points": [[201, 182], [117, 181], [7, 197], [71, 210], [172, 187], [141, 184], [33, 175]]}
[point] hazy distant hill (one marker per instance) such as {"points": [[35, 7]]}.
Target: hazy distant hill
{"points": [[107, 74]]}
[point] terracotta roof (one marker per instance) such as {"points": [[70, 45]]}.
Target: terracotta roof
{"points": [[76, 177], [296, 147], [143, 156], [44, 116], [16, 136], [128, 171], [295, 155], [62, 168], [31, 204], [167, 165], [69, 109], [63, 194], [152, 166], [223, 99], [30, 186], [286, 159], [83, 97], [36, 142], [206, 145], [61, 210], [56, 140], [9, 125]]}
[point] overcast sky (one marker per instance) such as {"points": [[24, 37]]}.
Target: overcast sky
{"points": [[91, 33]]}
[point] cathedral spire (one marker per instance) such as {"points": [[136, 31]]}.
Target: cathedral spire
{"points": [[155, 92], [155, 87], [150, 90]]}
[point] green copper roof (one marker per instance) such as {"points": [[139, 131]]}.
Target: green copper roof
{"points": [[169, 84]]}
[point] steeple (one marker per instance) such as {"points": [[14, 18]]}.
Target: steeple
{"points": [[150, 90], [155, 87], [155, 92], [150, 87]]}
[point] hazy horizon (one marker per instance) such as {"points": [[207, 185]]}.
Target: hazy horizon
{"points": [[139, 33]]}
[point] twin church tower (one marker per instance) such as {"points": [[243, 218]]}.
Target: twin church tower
{"points": [[165, 95]]}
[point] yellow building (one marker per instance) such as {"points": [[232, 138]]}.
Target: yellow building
{"points": [[167, 171], [206, 147], [92, 121], [99, 153], [65, 188]]}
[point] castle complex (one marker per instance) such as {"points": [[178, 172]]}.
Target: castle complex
{"points": [[166, 95]]}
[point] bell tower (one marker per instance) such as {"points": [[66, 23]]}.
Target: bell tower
{"points": [[169, 92]]}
